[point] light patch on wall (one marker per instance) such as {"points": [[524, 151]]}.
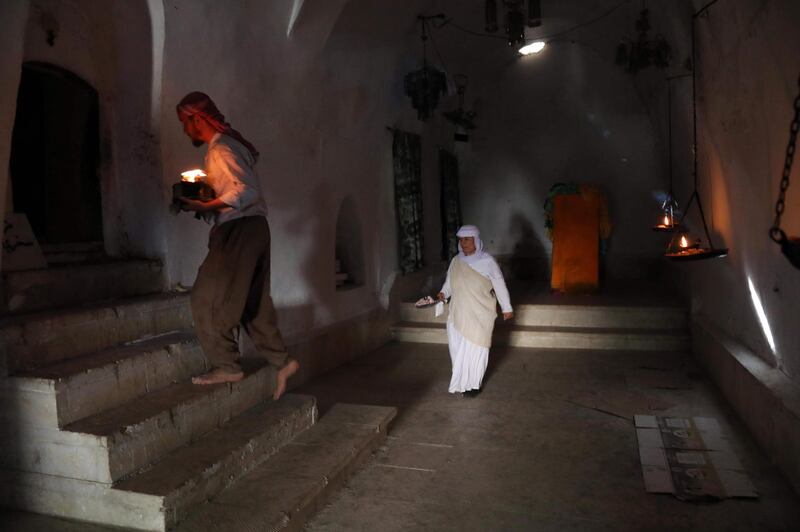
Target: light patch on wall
{"points": [[297, 6], [532, 48], [762, 316]]}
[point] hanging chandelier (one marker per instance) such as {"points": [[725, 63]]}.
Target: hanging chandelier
{"points": [[637, 54], [683, 246], [427, 85]]}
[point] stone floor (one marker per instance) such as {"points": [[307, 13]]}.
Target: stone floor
{"points": [[524, 455], [528, 453]]}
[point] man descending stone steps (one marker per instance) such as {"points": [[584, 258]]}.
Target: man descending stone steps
{"points": [[233, 283]]}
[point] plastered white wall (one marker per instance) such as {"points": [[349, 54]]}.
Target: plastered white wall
{"points": [[748, 70], [316, 100], [316, 104], [14, 15], [566, 115]]}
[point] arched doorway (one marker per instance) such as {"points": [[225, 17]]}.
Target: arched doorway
{"points": [[55, 156]]}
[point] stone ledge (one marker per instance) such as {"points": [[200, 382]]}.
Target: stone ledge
{"points": [[285, 491], [584, 316], [44, 338], [556, 337], [157, 497], [764, 398], [76, 284], [62, 393]]}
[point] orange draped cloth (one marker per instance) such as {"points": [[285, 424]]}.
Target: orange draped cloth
{"points": [[576, 242]]}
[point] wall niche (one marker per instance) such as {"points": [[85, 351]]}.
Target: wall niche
{"points": [[349, 251]]}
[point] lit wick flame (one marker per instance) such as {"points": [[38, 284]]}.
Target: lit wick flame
{"points": [[666, 221], [193, 176], [684, 242]]}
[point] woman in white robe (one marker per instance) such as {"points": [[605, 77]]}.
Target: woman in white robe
{"points": [[475, 284]]}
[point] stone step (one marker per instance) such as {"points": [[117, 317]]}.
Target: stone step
{"points": [[44, 338], [165, 493], [57, 254], [61, 393], [287, 490], [107, 446], [67, 285], [583, 316], [557, 337]]}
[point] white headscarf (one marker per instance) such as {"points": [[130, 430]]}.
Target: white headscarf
{"points": [[467, 231]]}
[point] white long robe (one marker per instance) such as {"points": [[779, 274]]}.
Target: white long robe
{"points": [[469, 359]]}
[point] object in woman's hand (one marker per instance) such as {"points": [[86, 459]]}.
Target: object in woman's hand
{"points": [[191, 186], [425, 302]]}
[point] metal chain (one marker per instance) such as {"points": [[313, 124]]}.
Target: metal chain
{"points": [[775, 232]]}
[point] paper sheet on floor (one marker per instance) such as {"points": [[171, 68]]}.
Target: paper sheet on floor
{"points": [[691, 458]]}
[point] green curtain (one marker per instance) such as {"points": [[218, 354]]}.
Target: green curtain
{"points": [[449, 203], [408, 199]]}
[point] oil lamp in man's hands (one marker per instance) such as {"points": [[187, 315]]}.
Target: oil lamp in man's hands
{"points": [[191, 186]]}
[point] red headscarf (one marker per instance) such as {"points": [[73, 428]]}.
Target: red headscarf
{"points": [[199, 103]]}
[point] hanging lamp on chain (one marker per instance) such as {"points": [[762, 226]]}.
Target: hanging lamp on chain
{"points": [[669, 207], [790, 245], [427, 85], [682, 246]]}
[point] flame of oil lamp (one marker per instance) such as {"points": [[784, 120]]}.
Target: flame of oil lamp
{"points": [[191, 186], [684, 242], [193, 176]]}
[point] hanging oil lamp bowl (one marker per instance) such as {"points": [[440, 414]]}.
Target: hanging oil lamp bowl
{"points": [[669, 207], [790, 246], [683, 249], [667, 225]]}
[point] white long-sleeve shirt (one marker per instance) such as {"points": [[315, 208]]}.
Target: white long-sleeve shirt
{"points": [[231, 172], [489, 268]]}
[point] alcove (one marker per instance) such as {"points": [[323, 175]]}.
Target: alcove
{"points": [[349, 247]]}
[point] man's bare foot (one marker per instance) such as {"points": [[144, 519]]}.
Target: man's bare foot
{"points": [[218, 376], [284, 373]]}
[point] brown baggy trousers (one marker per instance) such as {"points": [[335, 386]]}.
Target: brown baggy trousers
{"points": [[232, 289]]}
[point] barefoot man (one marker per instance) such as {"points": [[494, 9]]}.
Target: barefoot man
{"points": [[232, 286]]}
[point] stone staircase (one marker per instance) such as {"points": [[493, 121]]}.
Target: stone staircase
{"points": [[101, 422], [69, 283], [567, 326]]}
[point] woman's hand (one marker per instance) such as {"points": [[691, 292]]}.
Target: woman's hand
{"points": [[440, 296], [507, 316]]}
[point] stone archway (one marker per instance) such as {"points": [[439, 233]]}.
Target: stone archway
{"points": [[55, 155], [117, 48]]}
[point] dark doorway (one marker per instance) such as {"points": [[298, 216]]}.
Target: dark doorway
{"points": [[55, 156]]}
